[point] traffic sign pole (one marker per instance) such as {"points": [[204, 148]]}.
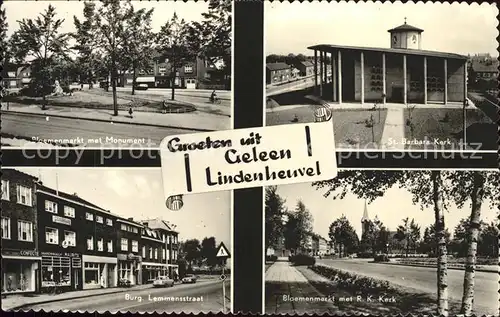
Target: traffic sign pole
{"points": [[224, 291]]}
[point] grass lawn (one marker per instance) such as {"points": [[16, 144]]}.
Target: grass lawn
{"points": [[408, 301], [447, 124], [351, 130]]}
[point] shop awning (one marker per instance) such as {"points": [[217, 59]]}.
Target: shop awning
{"points": [[19, 257]]}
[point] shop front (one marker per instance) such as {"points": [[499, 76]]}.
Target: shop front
{"points": [[151, 270], [20, 271], [129, 269], [62, 271], [99, 272]]}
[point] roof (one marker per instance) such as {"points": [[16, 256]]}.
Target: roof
{"points": [[331, 48], [306, 63], [365, 214], [70, 197], [487, 66], [277, 66], [158, 223], [11, 171], [405, 27]]}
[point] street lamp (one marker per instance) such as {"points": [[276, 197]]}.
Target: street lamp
{"points": [[175, 28]]}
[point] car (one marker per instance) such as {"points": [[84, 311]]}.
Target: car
{"points": [[142, 87], [163, 281], [188, 279]]}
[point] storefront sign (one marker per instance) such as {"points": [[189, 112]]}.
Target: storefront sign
{"points": [[61, 220], [66, 254], [20, 252]]}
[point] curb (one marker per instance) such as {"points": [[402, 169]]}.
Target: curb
{"points": [[449, 268], [19, 307], [103, 120]]}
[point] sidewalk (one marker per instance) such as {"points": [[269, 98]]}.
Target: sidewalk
{"points": [[15, 302], [196, 121], [284, 272], [394, 130]]}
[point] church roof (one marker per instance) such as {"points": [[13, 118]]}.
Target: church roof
{"points": [[405, 27], [365, 214]]}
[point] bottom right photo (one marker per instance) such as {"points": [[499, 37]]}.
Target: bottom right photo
{"points": [[384, 242]]}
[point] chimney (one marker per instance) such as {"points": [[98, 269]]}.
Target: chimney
{"points": [[130, 219], [75, 194]]}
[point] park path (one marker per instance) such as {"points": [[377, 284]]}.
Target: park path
{"points": [[394, 129], [284, 272]]}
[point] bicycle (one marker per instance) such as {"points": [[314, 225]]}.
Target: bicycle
{"points": [[215, 101]]}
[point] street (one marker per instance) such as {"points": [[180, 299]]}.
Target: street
{"points": [[144, 300], [61, 128], [424, 280]]}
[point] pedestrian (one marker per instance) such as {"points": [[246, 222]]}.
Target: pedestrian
{"points": [[130, 112], [103, 281]]}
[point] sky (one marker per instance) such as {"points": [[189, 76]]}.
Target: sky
{"points": [[164, 10], [138, 193], [391, 209], [454, 28]]}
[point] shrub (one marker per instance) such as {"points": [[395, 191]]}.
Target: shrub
{"points": [[381, 258], [271, 258], [302, 259], [365, 255]]}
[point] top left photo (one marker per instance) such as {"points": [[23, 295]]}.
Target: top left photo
{"points": [[113, 74]]}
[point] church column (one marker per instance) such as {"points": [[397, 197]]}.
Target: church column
{"points": [[315, 70], [321, 74], [465, 81], [445, 81], [362, 78], [384, 84], [339, 72], [334, 79], [425, 80], [405, 81]]}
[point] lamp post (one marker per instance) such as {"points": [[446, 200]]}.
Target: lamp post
{"points": [[175, 27]]}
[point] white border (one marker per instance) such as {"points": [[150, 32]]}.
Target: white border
{"points": [[264, 123], [231, 235]]}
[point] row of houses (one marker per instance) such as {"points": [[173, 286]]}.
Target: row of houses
{"points": [[280, 72], [198, 74], [314, 245], [55, 239]]}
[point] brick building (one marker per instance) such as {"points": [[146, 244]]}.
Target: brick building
{"points": [[277, 72], [128, 251], [20, 254]]}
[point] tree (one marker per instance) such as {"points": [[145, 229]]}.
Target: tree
{"points": [[409, 232], [428, 244], [86, 42], [4, 43], [191, 249], [111, 25], [488, 243], [208, 251], [473, 186], [342, 233], [298, 227], [39, 40], [211, 38], [138, 42], [461, 236], [173, 44], [426, 189], [375, 239], [274, 211]]}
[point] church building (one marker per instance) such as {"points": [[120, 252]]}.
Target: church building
{"points": [[403, 73]]}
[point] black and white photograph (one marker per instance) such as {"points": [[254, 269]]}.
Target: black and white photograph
{"points": [[384, 242], [114, 73], [108, 242], [397, 76]]}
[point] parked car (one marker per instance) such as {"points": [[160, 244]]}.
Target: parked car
{"points": [[163, 281], [188, 279], [142, 87], [123, 282]]}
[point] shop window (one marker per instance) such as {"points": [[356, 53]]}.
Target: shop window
{"points": [[51, 235], [143, 251], [25, 231], [124, 244], [110, 246], [56, 271], [24, 195], [135, 246], [69, 211], [89, 216], [17, 276], [90, 243], [5, 228], [51, 206], [109, 222], [70, 238], [99, 219], [100, 245], [5, 189], [150, 252]]}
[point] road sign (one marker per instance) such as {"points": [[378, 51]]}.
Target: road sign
{"points": [[222, 251], [222, 277]]}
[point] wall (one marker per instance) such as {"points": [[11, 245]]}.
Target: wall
{"points": [[371, 92], [409, 42], [435, 71], [394, 75], [456, 80]]}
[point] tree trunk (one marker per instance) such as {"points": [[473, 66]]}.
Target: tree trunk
{"points": [[442, 259], [115, 101], [473, 235], [133, 81]]}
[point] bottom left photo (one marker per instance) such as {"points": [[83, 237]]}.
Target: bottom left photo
{"points": [[103, 239]]}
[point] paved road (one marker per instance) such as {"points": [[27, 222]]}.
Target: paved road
{"points": [[143, 300], [425, 279], [61, 128]]}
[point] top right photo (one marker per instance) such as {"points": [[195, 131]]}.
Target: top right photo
{"points": [[393, 76]]}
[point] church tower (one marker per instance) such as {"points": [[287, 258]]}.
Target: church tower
{"points": [[406, 36], [365, 220]]}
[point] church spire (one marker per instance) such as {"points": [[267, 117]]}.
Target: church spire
{"points": [[365, 213]]}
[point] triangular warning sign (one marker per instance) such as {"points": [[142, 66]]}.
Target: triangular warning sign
{"points": [[222, 251]]}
